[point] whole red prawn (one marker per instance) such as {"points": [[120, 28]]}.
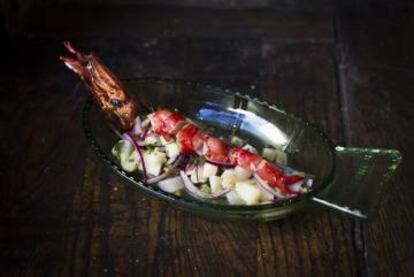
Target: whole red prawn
{"points": [[121, 112]]}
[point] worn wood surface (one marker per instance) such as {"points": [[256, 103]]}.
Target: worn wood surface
{"points": [[378, 70], [64, 214]]}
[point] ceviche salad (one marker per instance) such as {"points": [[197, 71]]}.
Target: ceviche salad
{"points": [[160, 162], [172, 152]]}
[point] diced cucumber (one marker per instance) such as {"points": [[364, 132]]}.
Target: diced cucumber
{"points": [[265, 196], [172, 149], [171, 185], [151, 139], [150, 117], [209, 170], [242, 174], [131, 164], [274, 155], [154, 162], [248, 192], [229, 178], [215, 184], [196, 175], [122, 149], [126, 155], [164, 141], [234, 199], [145, 122]]}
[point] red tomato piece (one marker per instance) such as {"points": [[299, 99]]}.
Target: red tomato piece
{"points": [[289, 180], [217, 150], [188, 137], [272, 176], [244, 158], [267, 172], [198, 139], [172, 122], [165, 122]]}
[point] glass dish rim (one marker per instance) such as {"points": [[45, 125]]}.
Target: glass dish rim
{"points": [[155, 191]]}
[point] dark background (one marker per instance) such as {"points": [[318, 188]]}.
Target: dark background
{"points": [[347, 66]]}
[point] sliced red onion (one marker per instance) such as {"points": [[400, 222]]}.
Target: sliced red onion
{"points": [[172, 184], [221, 164], [172, 159], [309, 181], [262, 185], [158, 178], [272, 191], [167, 173], [129, 138], [195, 191], [185, 162], [137, 128], [189, 166], [145, 132], [198, 171], [272, 198], [306, 182]]}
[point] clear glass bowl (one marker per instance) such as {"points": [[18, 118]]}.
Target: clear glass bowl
{"points": [[349, 180]]}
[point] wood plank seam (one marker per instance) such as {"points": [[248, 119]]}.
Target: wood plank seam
{"points": [[344, 103]]}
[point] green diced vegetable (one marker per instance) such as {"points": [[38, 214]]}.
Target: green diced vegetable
{"points": [[205, 188], [154, 161], [126, 155]]}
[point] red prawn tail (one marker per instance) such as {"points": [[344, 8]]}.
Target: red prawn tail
{"points": [[104, 86]]}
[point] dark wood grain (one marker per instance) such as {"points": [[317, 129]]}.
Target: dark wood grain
{"points": [[377, 72], [159, 21], [63, 213], [378, 35], [381, 116], [40, 144], [323, 241]]}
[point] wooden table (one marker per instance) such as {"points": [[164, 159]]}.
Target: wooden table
{"points": [[63, 213]]}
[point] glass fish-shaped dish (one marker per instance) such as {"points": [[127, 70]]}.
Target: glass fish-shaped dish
{"points": [[347, 180]]}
